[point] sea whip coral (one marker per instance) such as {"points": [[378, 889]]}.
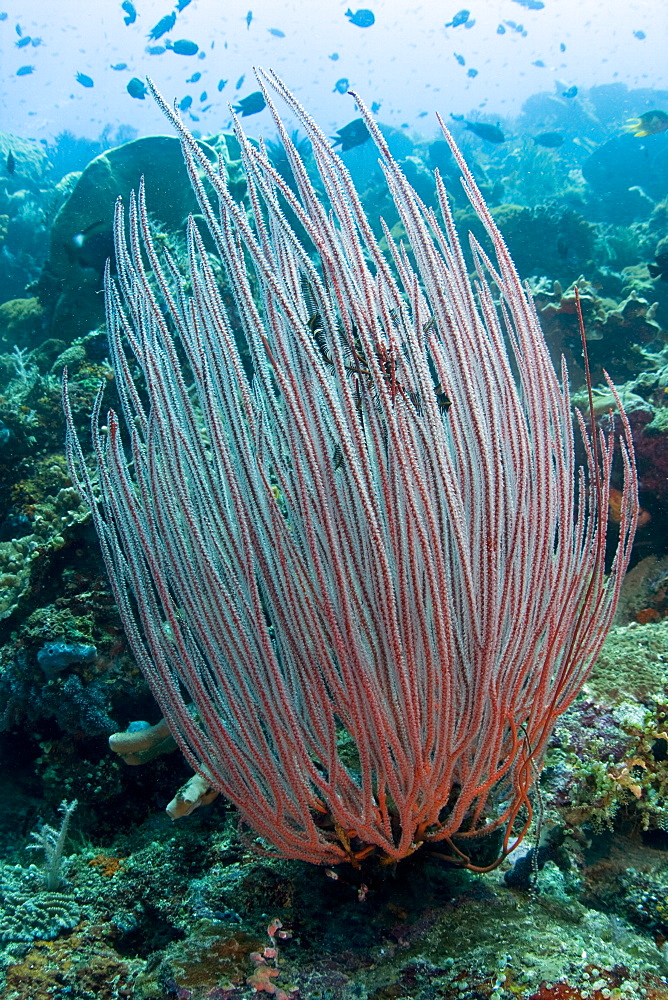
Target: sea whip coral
{"points": [[364, 582]]}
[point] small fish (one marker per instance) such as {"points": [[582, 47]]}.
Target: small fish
{"points": [[3, 15], [184, 47], [35, 42], [341, 86], [25, 70], [155, 50], [276, 32], [85, 81], [249, 18], [164, 25], [571, 92], [136, 88], [363, 18], [651, 123], [351, 135], [549, 139], [562, 47], [657, 269], [80, 238], [375, 107], [11, 163], [119, 66], [203, 97], [22, 42], [130, 11], [531, 4], [474, 72], [469, 23], [252, 104], [490, 133], [539, 63], [19, 30], [194, 78], [639, 34], [240, 82], [500, 30], [461, 17], [460, 59], [181, 5], [185, 102], [334, 56], [221, 84]]}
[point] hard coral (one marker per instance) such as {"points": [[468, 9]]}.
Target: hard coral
{"points": [[21, 320]]}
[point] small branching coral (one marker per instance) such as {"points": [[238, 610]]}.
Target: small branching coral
{"points": [[52, 842]]}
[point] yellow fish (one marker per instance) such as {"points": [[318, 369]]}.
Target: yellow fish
{"points": [[650, 123]]}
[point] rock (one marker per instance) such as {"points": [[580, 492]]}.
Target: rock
{"points": [[81, 238]]}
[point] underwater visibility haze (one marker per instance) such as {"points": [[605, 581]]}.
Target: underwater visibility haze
{"points": [[333, 486]]}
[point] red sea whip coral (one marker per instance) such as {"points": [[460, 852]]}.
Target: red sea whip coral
{"points": [[361, 609]]}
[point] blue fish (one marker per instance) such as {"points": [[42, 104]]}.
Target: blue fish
{"points": [[184, 47], [35, 42], [334, 56], [181, 5], [276, 32], [571, 92], [221, 84], [249, 18], [203, 97], [185, 102], [460, 59], [501, 30], [530, 4], [155, 50], [136, 88], [461, 17], [240, 82], [252, 104], [471, 72], [25, 70], [351, 135], [22, 42], [131, 13], [194, 78], [164, 25], [639, 34], [375, 107], [3, 15], [363, 18], [342, 86], [118, 66], [490, 133], [85, 81], [19, 30]]}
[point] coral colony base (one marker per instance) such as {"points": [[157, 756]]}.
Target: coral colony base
{"points": [[365, 581]]}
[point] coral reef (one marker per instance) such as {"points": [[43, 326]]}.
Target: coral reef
{"points": [[151, 910]]}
